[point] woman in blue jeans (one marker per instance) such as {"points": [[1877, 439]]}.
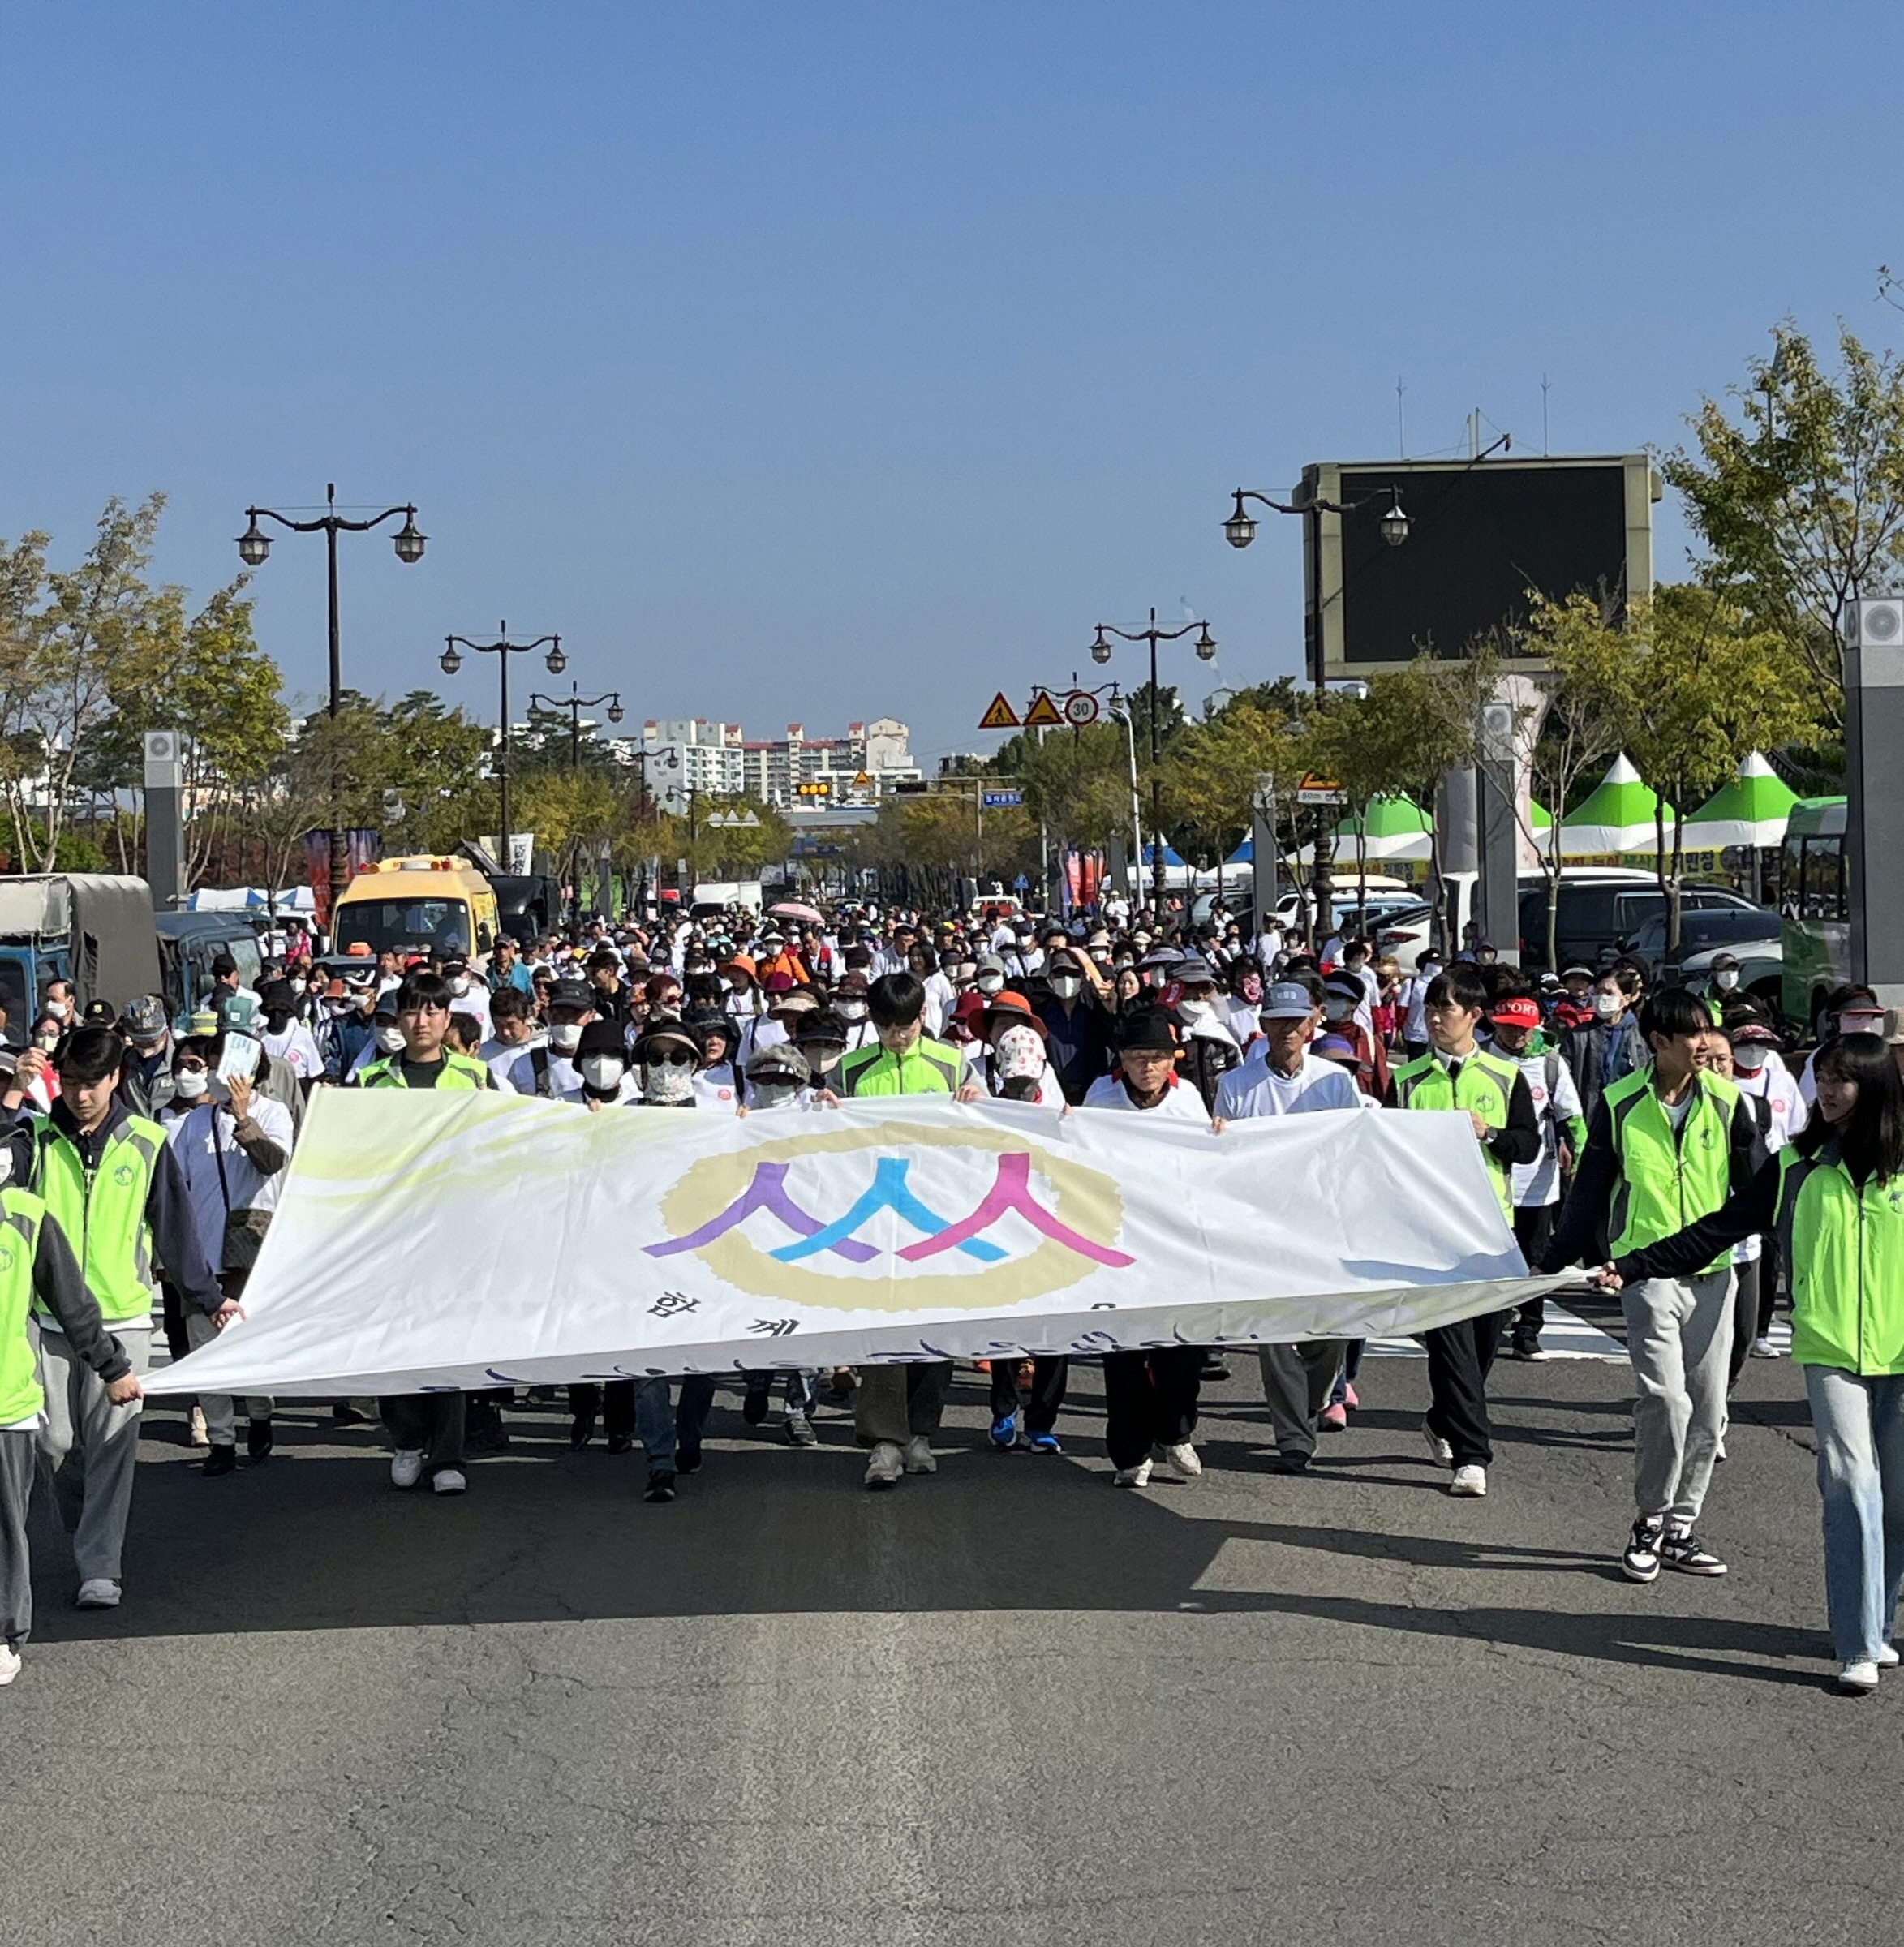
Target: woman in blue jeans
{"points": [[1835, 1197]]}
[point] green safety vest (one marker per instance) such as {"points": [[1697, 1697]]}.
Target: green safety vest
{"points": [[1667, 1181], [1844, 1247], [459, 1072], [20, 1395], [1486, 1086], [103, 1211], [927, 1067]]}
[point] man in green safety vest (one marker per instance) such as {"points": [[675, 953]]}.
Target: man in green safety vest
{"points": [[897, 1408], [112, 1184], [38, 1270], [1666, 1147], [1458, 1073]]}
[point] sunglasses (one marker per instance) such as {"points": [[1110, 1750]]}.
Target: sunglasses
{"points": [[672, 1059]]}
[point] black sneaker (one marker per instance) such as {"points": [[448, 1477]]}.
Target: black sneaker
{"points": [[580, 1430], [660, 1485], [1525, 1345], [219, 1460], [1289, 1463], [620, 1444], [258, 1441], [1682, 1552], [754, 1406], [1215, 1367], [1640, 1561], [687, 1457]]}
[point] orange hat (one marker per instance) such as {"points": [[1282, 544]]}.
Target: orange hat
{"points": [[1016, 1012]]}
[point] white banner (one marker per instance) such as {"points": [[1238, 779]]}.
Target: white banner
{"points": [[472, 1240]]}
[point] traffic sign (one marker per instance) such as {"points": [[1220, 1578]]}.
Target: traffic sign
{"points": [[1043, 713], [861, 782], [1080, 707], [1315, 790], [1000, 716], [1000, 800]]}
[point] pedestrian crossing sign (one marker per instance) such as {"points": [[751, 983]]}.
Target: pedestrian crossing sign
{"points": [[1000, 716], [1044, 714]]}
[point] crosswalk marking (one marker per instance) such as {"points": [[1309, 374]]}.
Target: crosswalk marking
{"points": [[1564, 1335]]}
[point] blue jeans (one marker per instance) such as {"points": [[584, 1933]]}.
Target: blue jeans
{"points": [[1860, 1429], [660, 1429], [799, 1392]]}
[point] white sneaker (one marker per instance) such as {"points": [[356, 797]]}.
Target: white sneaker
{"points": [[918, 1455], [1469, 1480], [8, 1664], [1857, 1677], [1437, 1446], [1132, 1476], [450, 1481], [886, 1464], [200, 1435], [406, 1467], [1182, 1460], [100, 1593], [1887, 1657]]}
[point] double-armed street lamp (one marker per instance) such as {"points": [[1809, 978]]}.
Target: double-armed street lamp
{"points": [[575, 702], [253, 547], [1101, 652], [502, 649]]}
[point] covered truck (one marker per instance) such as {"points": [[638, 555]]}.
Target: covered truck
{"points": [[95, 929]]}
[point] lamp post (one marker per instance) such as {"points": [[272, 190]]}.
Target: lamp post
{"points": [[575, 702], [254, 547], [1101, 652], [502, 649]]}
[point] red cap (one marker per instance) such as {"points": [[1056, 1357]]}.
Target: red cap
{"points": [[1519, 1013]]}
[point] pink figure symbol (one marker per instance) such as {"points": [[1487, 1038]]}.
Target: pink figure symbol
{"points": [[1011, 1190]]}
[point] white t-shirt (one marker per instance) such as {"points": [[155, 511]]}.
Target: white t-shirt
{"points": [[1773, 1082], [1256, 1089], [476, 1002], [192, 1137], [298, 1047], [564, 1078], [1538, 1183], [501, 1057], [714, 1087], [1179, 1099]]}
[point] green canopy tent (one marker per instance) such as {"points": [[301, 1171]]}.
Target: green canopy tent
{"points": [[1618, 818], [1750, 809]]}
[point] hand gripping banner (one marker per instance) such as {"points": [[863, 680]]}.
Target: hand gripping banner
{"points": [[476, 1239]]}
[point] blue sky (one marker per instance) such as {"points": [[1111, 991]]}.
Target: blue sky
{"points": [[821, 362]]}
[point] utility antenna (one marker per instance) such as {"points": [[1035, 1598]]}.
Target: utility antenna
{"points": [[1401, 424], [1544, 385], [1474, 434]]}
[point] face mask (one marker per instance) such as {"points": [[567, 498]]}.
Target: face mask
{"points": [[668, 1082], [1725, 979], [1021, 1052], [851, 1010], [189, 1084], [564, 1037], [603, 1072], [763, 1095], [991, 983], [57, 1009], [337, 1009], [460, 984], [1067, 986], [1750, 1056], [1606, 1006], [46, 1043], [390, 1040], [1197, 1010]]}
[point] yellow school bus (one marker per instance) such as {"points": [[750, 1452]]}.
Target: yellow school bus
{"points": [[426, 905]]}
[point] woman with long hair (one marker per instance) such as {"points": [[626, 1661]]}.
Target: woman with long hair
{"points": [[1835, 1198]]}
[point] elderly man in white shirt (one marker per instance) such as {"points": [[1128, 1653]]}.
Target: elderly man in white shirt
{"points": [[1286, 1078]]}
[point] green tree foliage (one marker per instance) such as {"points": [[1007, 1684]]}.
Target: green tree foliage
{"points": [[1797, 489]]}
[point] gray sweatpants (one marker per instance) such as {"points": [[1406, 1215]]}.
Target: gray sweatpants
{"points": [[219, 1408], [16, 1493], [896, 1402], [1679, 1338], [88, 1447], [1297, 1381]]}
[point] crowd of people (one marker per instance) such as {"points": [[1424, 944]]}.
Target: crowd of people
{"points": [[1655, 1137]]}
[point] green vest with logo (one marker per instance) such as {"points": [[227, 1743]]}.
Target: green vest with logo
{"points": [[927, 1067], [102, 1211], [20, 1396], [1844, 1247], [1486, 1086], [459, 1072], [1668, 1178]]}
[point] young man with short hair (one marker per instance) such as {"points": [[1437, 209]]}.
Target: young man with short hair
{"points": [[1458, 1073], [427, 1060], [1667, 1145], [112, 1184]]}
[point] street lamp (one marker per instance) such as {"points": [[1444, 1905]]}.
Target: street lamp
{"points": [[575, 702], [254, 548], [502, 649], [1206, 646]]}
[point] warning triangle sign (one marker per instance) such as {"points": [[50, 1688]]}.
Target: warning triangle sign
{"points": [[1043, 714], [1000, 716]]}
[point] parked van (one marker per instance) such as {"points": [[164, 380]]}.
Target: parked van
{"points": [[188, 943], [426, 904]]}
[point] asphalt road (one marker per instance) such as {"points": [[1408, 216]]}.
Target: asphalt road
{"points": [[1004, 1705]]}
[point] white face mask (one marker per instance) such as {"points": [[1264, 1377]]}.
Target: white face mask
{"points": [[1068, 986], [390, 1040], [991, 983], [189, 1084], [460, 984], [1749, 1056], [851, 1010], [603, 1072], [57, 1009], [564, 1037], [1197, 1010], [1725, 979], [1337, 1007], [1607, 1006]]}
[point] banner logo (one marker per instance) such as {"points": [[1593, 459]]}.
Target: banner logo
{"points": [[1026, 1222]]}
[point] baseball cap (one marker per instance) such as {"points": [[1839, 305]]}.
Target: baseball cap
{"points": [[1756, 1030], [570, 994], [1519, 1012], [145, 1018], [236, 1014], [1286, 1000]]}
